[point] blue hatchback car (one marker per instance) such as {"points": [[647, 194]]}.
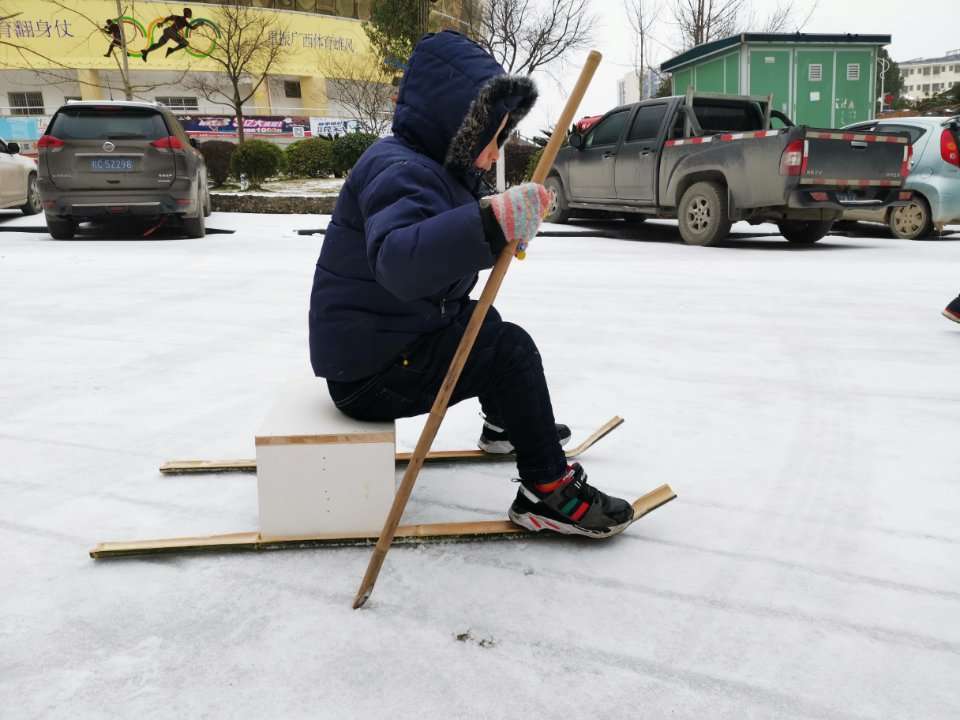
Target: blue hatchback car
{"points": [[934, 176]]}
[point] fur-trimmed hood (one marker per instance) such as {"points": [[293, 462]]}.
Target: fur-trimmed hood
{"points": [[453, 98]]}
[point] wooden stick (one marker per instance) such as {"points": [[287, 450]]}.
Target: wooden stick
{"points": [[411, 534], [439, 409], [182, 467]]}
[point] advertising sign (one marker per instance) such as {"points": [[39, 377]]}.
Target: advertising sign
{"points": [[261, 125], [332, 126], [48, 34]]}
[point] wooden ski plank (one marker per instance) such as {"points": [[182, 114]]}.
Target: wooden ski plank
{"points": [[253, 541], [182, 467]]}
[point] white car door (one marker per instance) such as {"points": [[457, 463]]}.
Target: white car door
{"points": [[10, 173]]}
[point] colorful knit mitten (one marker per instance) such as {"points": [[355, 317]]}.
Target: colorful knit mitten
{"points": [[519, 211]]}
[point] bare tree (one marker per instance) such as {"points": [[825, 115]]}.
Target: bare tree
{"points": [[524, 36], [363, 89], [701, 21], [250, 43], [56, 71], [641, 15], [785, 17]]}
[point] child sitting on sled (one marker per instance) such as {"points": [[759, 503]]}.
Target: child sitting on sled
{"points": [[391, 292]]}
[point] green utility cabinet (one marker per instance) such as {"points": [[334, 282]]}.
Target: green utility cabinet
{"points": [[818, 80]]}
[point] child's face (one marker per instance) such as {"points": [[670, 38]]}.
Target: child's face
{"points": [[488, 156]]}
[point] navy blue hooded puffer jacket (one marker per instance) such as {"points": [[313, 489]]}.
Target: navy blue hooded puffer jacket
{"points": [[406, 240]]}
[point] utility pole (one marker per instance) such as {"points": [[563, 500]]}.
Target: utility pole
{"points": [[884, 66], [125, 70]]}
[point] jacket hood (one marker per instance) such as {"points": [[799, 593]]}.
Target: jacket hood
{"points": [[454, 96]]}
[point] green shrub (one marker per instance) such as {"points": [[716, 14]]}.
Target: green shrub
{"points": [[309, 158], [217, 154], [532, 164], [347, 149], [258, 159]]}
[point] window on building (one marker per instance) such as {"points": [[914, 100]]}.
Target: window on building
{"points": [[936, 69], [815, 72], [926, 87], [176, 103], [607, 132], [646, 124], [926, 70], [25, 103], [937, 87], [853, 71], [291, 89]]}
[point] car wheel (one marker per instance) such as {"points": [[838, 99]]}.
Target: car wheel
{"points": [[33, 204], [911, 222], [61, 228], [557, 211], [703, 214], [804, 232]]}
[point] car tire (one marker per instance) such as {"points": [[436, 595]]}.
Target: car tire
{"points": [[207, 206], [33, 204], [558, 212], [804, 232], [703, 215], [195, 227], [61, 228], [913, 221]]}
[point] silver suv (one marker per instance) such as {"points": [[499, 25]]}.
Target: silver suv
{"points": [[101, 160]]}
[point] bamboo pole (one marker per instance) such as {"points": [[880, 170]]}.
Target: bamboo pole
{"points": [[489, 294]]}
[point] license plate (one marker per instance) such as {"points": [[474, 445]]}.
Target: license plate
{"points": [[111, 165]]}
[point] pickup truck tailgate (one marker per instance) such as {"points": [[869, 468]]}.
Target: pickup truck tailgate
{"points": [[854, 159]]}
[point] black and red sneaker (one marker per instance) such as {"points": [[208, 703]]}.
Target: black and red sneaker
{"points": [[570, 506], [952, 311], [494, 439]]}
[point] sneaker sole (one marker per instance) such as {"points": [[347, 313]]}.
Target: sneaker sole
{"points": [[505, 447], [538, 523], [950, 316]]}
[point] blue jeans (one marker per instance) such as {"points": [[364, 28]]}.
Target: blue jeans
{"points": [[503, 370]]}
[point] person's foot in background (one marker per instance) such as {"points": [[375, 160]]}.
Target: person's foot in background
{"points": [[952, 311]]}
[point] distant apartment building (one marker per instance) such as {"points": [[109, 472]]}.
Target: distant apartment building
{"points": [[926, 77], [628, 87]]}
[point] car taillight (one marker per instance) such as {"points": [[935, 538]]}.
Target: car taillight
{"points": [[948, 147], [905, 163], [168, 143], [49, 141], [794, 159]]}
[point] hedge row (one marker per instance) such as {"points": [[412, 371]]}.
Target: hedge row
{"points": [[259, 159]]}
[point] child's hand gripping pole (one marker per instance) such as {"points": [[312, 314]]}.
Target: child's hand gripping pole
{"points": [[519, 211], [489, 294]]}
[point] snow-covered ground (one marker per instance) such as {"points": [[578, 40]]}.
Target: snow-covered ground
{"points": [[300, 186], [803, 403]]}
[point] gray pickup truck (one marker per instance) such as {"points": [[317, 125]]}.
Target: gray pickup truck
{"points": [[709, 160]]}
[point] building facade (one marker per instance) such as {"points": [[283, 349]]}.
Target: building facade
{"points": [[51, 52], [817, 80], [629, 86], [926, 77]]}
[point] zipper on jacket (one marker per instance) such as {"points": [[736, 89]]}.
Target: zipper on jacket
{"points": [[443, 307]]}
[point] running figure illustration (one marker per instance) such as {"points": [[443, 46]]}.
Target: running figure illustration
{"points": [[176, 24], [113, 29]]}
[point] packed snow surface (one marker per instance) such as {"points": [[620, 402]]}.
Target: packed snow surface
{"points": [[804, 403]]}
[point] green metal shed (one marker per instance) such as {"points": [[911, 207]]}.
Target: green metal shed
{"points": [[818, 80]]}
